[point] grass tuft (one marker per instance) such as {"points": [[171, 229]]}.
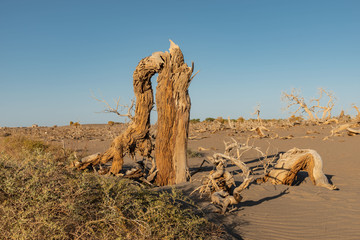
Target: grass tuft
{"points": [[194, 154]]}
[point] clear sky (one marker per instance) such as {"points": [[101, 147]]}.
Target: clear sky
{"points": [[54, 53]]}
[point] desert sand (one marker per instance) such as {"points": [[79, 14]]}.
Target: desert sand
{"points": [[301, 211]]}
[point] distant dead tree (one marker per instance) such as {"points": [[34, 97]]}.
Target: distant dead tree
{"points": [[260, 128], [325, 110], [358, 112], [257, 113], [173, 108], [295, 99], [119, 108]]}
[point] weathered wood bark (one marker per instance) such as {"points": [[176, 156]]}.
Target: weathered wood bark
{"points": [[173, 109]]}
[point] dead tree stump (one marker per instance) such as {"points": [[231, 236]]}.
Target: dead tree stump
{"points": [[173, 107]]}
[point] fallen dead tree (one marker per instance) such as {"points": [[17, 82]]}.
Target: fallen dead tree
{"points": [[349, 127], [340, 128], [290, 163], [352, 132], [220, 183], [259, 130]]}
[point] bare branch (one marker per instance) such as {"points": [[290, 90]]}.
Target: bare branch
{"points": [[194, 75]]}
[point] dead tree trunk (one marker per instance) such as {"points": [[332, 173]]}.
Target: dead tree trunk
{"points": [[136, 136], [173, 109]]}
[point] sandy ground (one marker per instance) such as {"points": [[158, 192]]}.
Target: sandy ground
{"points": [[303, 211]]}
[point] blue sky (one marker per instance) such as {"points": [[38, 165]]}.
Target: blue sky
{"points": [[54, 53]]}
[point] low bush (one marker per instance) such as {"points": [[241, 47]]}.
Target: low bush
{"points": [[209, 119], [240, 120], [294, 118], [220, 119], [41, 198], [195, 120]]}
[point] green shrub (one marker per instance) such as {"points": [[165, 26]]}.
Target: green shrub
{"points": [[209, 119], [196, 120]]}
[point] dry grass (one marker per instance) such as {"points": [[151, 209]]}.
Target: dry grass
{"points": [[40, 198]]}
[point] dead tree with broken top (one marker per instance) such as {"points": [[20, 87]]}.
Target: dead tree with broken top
{"points": [[173, 107]]}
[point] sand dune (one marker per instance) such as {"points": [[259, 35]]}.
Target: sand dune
{"points": [[303, 211]]}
